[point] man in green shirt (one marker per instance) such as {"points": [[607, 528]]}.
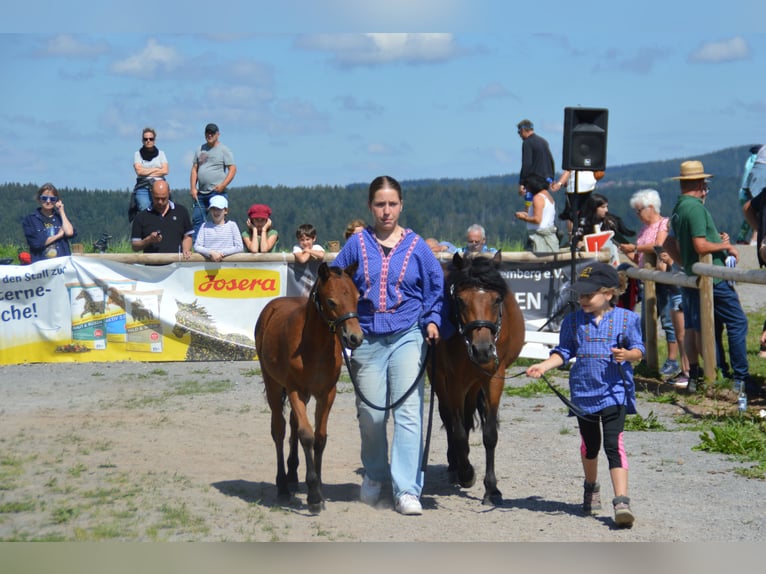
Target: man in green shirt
{"points": [[694, 234]]}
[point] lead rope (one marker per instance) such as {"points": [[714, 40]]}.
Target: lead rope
{"points": [[427, 446], [398, 401]]}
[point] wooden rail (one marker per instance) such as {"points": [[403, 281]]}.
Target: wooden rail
{"points": [[705, 272]]}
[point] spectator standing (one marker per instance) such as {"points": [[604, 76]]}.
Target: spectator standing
{"points": [[694, 234], [218, 238], [163, 228], [401, 292], [648, 247], [537, 166], [579, 185], [260, 236], [307, 247], [756, 182], [48, 229], [541, 223], [212, 170], [476, 241], [746, 232], [596, 218], [150, 164]]}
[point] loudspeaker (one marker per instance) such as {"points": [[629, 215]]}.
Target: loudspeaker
{"points": [[585, 139]]}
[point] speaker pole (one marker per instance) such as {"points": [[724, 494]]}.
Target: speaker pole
{"points": [[574, 215]]}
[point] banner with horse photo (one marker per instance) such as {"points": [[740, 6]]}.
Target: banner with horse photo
{"points": [[96, 310]]}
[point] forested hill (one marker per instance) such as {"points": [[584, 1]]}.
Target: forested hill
{"points": [[441, 208]]}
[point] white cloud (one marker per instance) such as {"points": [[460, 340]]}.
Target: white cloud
{"points": [[68, 46], [154, 58], [493, 91], [377, 49], [724, 51]]}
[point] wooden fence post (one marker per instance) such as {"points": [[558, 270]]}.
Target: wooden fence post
{"points": [[707, 328], [650, 325]]}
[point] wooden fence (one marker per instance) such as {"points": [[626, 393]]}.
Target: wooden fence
{"points": [[703, 280]]}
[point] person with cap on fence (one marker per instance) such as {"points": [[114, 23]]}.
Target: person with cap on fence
{"points": [[218, 237], [212, 170], [260, 236], [693, 234]]}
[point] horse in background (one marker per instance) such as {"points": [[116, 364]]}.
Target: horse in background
{"points": [[301, 356], [471, 364]]}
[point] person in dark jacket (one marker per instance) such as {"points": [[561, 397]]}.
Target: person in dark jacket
{"points": [[48, 229]]}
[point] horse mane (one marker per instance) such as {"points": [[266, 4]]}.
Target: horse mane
{"points": [[477, 273]]}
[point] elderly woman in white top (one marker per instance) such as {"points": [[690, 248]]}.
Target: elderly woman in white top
{"points": [[541, 225]]}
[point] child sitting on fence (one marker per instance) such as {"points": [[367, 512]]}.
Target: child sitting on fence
{"points": [[307, 248]]}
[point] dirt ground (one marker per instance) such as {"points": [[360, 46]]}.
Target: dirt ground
{"points": [[179, 451]]}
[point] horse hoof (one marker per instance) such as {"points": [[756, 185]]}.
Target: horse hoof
{"points": [[494, 499], [316, 507], [468, 480], [283, 498], [452, 477]]}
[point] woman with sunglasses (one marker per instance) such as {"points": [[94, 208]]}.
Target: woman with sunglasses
{"points": [[48, 229], [150, 164]]}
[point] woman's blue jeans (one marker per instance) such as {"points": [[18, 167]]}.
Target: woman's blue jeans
{"points": [[385, 367]]}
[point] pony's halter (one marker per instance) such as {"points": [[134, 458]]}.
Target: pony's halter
{"points": [[465, 328], [331, 324]]}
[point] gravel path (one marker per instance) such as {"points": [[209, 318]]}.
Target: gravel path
{"points": [[181, 451]]}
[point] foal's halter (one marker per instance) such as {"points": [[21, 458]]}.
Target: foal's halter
{"points": [[465, 328], [331, 323]]}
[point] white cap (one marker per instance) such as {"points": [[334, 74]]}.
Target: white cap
{"points": [[218, 201]]}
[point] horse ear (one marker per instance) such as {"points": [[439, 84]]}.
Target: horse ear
{"points": [[498, 257], [457, 261], [351, 269], [324, 271]]}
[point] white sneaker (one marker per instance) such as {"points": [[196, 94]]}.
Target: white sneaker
{"points": [[369, 493], [408, 504]]}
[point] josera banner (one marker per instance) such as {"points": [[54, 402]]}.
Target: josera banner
{"points": [[87, 309]]}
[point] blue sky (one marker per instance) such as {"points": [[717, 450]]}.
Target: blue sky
{"points": [[335, 91]]}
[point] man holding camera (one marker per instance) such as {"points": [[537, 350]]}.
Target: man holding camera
{"points": [[163, 228]]}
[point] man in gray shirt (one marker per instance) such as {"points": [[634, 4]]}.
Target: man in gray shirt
{"points": [[213, 169]]}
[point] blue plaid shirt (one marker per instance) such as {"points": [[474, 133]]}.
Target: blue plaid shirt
{"points": [[595, 379]]}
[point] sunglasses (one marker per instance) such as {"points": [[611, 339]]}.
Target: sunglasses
{"points": [[148, 139], [48, 198]]}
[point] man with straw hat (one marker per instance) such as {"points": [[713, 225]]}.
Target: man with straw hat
{"points": [[693, 234]]}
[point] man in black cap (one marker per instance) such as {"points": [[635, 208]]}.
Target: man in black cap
{"points": [[537, 167], [213, 169]]}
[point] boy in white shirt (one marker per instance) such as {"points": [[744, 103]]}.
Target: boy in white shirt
{"points": [[307, 249]]}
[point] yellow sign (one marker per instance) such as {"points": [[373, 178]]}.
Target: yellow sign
{"points": [[236, 283]]}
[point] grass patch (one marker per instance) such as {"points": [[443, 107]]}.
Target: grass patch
{"points": [[200, 388], [649, 423], [533, 388], [17, 506], [64, 514], [741, 437], [10, 469]]}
